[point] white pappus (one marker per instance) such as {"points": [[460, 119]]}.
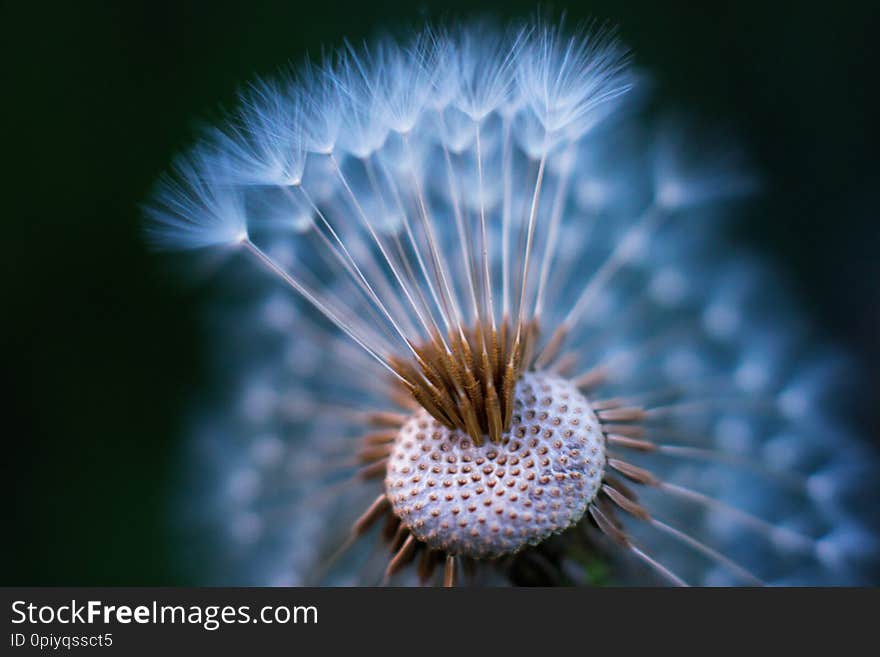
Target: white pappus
{"points": [[502, 332]]}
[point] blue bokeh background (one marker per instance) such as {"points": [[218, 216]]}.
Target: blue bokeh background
{"points": [[102, 347]]}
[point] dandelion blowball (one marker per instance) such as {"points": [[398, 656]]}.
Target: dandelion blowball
{"points": [[498, 330]]}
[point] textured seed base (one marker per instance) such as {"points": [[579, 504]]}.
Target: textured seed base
{"points": [[498, 498]]}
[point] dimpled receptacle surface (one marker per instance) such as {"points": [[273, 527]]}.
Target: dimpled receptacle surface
{"points": [[496, 499]]}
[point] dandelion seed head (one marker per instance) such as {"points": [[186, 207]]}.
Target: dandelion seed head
{"points": [[470, 251]]}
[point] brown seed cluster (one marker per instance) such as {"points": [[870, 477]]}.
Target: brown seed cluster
{"points": [[497, 498], [467, 380]]}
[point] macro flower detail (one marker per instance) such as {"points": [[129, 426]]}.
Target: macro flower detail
{"points": [[501, 332], [482, 500]]}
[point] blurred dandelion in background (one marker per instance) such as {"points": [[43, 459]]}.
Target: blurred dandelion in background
{"points": [[490, 332]]}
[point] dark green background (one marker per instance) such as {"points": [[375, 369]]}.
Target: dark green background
{"points": [[101, 345]]}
